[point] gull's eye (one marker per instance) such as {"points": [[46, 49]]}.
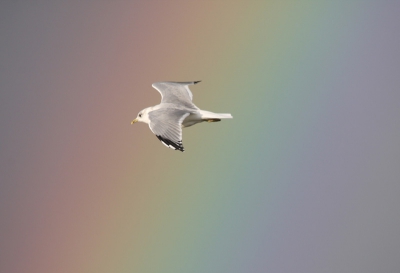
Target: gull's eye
{"points": [[140, 115]]}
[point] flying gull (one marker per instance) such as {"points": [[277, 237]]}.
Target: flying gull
{"points": [[176, 111]]}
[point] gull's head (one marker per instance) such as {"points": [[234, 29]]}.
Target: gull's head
{"points": [[143, 116]]}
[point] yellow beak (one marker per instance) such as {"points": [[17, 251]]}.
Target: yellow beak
{"points": [[135, 120]]}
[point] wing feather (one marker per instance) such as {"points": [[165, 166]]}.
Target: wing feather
{"points": [[176, 92], [166, 124]]}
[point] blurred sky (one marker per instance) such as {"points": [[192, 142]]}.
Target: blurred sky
{"points": [[305, 178]]}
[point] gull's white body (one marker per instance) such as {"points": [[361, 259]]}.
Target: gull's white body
{"points": [[191, 119], [176, 111]]}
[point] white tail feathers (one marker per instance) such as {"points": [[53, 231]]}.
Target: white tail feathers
{"points": [[211, 115]]}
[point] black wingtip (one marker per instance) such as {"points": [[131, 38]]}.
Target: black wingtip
{"points": [[170, 144], [196, 82]]}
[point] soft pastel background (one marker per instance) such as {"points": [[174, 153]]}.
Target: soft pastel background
{"points": [[305, 178]]}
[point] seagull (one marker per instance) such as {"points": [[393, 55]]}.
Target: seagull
{"points": [[176, 111]]}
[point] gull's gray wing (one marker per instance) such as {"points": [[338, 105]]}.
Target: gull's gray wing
{"points": [[175, 92], [166, 124]]}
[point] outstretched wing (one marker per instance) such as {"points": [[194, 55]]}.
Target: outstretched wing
{"points": [[166, 124], [175, 92]]}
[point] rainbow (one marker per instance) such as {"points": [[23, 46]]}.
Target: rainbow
{"points": [[87, 192]]}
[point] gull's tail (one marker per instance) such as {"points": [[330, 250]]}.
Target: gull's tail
{"points": [[210, 116]]}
